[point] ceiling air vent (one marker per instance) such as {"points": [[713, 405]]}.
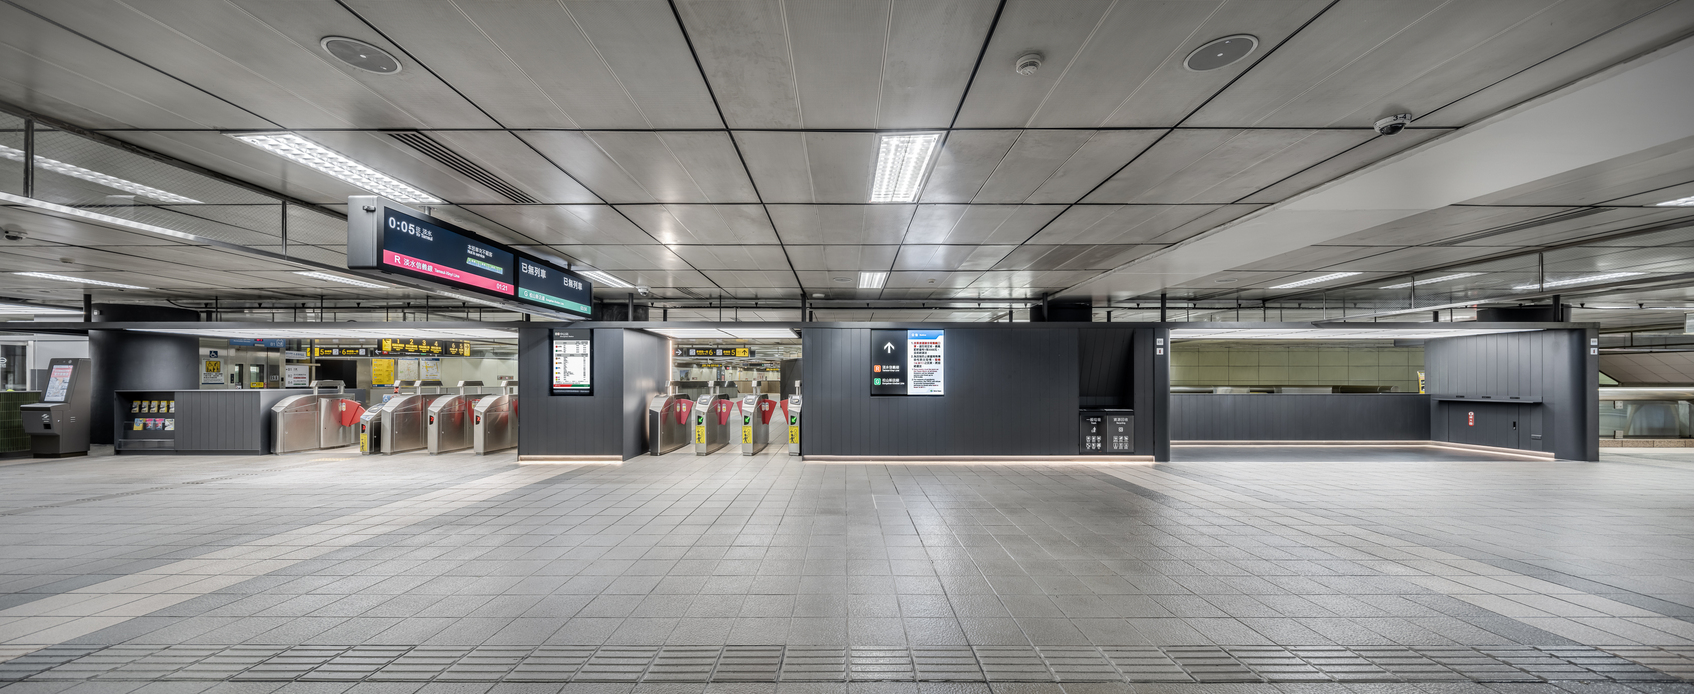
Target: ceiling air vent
{"points": [[450, 159]]}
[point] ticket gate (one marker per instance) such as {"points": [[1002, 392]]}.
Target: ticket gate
{"points": [[318, 420], [494, 421], [711, 422], [667, 423], [755, 412], [791, 411], [404, 420], [370, 430], [448, 421]]}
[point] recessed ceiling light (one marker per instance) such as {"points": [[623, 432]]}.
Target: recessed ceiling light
{"points": [[308, 153], [332, 278], [32, 309], [1679, 202], [1227, 280], [91, 176], [901, 162], [604, 279], [872, 280], [1220, 52], [360, 54], [1576, 280], [1432, 280], [1315, 280], [78, 280], [843, 280]]}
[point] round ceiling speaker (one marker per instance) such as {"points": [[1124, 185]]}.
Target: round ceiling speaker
{"points": [[360, 55], [1221, 52]]}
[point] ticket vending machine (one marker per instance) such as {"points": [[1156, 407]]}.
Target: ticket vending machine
{"points": [[791, 412], [667, 423], [755, 413], [58, 425], [711, 422]]}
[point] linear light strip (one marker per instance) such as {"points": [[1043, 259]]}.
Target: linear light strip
{"points": [[92, 176], [902, 160], [1679, 202], [1315, 280], [1432, 280], [604, 279], [305, 152], [32, 309], [333, 278], [872, 280], [78, 280], [1576, 280]]}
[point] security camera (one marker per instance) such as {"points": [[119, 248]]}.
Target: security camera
{"points": [[643, 289], [15, 234], [1394, 124]]}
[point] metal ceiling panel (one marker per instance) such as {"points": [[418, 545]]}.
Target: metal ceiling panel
{"points": [[978, 224], [227, 156], [1030, 163], [1444, 223], [841, 224], [642, 43], [389, 156], [1000, 97], [1306, 259], [590, 165], [966, 160], [1094, 162], [712, 162], [932, 48], [1665, 194], [47, 69], [1106, 257], [1670, 22], [829, 167], [1621, 178], [566, 224], [736, 279], [1221, 166], [1118, 224], [516, 163], [703, 224], [1031, 257], [932, 280], [1030, 279], [415, 97], [838, 48], [1217, 217], [1605, 221], [1679, 236], [1371, 151], [654, 257], [842, 258], [921, 257], [745, 50], [727, 257], [679, 167], [1416, 258], [779, 166]]}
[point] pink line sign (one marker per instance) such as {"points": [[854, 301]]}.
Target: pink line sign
{"points": [[409, 263]]}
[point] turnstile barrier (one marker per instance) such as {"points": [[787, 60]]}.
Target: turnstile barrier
{"points": [[494, 422], [711, 422], [791, 412], [755, 412], [314, 421], [667, 423]]}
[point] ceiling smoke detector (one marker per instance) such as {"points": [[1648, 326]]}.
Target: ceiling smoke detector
{"points": [[1028, 63], [360, 55], [1221, 52]]}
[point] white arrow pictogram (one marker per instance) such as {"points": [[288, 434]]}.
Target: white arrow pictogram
{"points": [[888, 347]]}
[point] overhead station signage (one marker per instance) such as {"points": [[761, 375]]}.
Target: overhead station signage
{"points": [[907, 362], [409, 346], [341, 352], [573, 362], [392, 238], [713, 352]]}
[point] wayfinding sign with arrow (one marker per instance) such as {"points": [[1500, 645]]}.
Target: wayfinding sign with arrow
{"points": [[907, 362]]}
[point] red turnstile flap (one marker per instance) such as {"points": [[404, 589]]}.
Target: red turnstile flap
{"points": [[350, 412], [766, 408], [723, 411], [683, 407]]}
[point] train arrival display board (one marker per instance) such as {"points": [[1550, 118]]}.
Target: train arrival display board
{"points": [[389, 237], [573, 362], [907, 362]]}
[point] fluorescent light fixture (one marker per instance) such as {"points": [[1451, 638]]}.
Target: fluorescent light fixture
{"points": [[332, 278], [690, 333], [78, 280], [32, 309], [1315, 280], [1432, 280], [872, 280], [114, 182], [902, 161], [604, 279], [1679, 202], [1315, 333], [330, 332], [96, 217], [760, 333], [311, 154], [1576, 280]]}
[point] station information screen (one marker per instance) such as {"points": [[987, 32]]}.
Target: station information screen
{"points": [[908, 362], [416, 246], [573, 362], [58, 383], [554, 288]]}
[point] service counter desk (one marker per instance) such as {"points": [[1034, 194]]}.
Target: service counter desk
{"points": [[201, 422], [1300, 417]]}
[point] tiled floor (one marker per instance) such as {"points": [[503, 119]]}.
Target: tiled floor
{"points": [[1369, 571]]}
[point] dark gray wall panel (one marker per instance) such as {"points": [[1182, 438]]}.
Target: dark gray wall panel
{"points": [[1105, 376], [646, 373], [1552, 366], [1300, 417], [1009, 392], [570, 424], [1152, 392]]}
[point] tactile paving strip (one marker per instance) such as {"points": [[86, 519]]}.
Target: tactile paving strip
{"points": [[628, 664]]}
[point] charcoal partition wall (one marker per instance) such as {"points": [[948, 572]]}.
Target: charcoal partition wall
{"points": [[630, 367], [1011, 390], [1300, 417], [1536, 390]]}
